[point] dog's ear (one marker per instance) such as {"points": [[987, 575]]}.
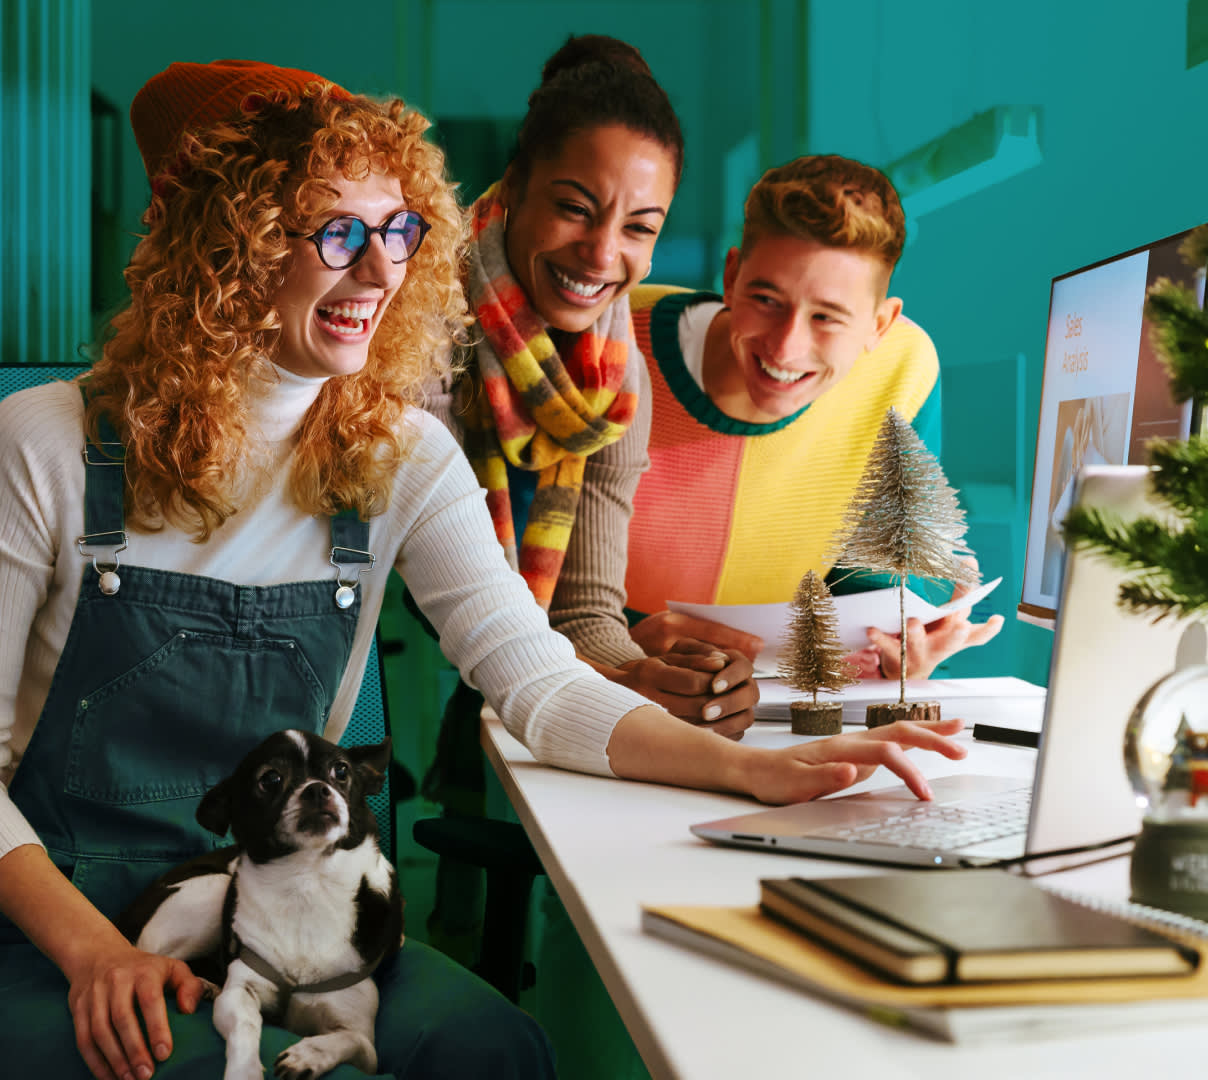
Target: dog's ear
{"points": [[371, 762], [214, 810]]}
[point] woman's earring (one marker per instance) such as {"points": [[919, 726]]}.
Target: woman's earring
{"points": [[648, 269]]}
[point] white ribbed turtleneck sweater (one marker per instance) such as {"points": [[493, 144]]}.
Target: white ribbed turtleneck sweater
{"points": [[436, 532]]}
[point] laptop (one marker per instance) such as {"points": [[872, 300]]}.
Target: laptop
{"points": [[1079, 805]]}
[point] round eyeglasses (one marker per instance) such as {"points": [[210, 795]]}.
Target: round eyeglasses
{"points": [[344, 240]]}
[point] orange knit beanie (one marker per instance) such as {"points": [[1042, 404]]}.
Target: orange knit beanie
{"points": [[193, 97]]}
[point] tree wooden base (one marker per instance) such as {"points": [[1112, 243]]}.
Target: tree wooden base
{"points": [[816, 717], [879, 715]]}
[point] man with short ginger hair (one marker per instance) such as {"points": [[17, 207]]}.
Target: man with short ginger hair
{"points": [[766, 404]]}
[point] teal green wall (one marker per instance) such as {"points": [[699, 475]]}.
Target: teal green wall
{"points": [[134, 39], [44, 175], [756, 82], [460, 60], [1123, 163]]}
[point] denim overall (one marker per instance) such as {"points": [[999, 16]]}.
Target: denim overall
{"points": [[161, 688], [165, 682]]}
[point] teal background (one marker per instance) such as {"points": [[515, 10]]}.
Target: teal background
{"points": [[919, 88], [1113, 92], [1101, 103]]}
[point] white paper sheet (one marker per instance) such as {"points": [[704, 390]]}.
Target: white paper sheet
{"points": [[857, 611]]}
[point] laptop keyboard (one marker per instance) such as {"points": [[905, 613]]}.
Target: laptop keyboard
{"points": [[943, 826]]}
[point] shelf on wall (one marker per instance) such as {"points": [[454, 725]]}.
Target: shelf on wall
{"points": [[988, 148]]}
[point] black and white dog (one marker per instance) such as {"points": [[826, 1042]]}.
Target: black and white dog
{"points": [[297, 914]]}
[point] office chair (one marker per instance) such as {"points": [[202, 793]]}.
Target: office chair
{"points": [[370, 723], [370, 720], [462, 835], [14, 377], [504, 852], [500, 848]]}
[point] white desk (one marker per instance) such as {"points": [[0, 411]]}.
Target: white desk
{"points": [[609, 846]]}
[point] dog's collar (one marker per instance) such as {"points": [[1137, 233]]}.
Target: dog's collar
{"points": [[288, 987]]}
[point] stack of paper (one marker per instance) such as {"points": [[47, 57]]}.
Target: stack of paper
{"points": [[856, 611]]}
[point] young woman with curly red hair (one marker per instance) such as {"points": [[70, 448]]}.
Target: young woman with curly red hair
{"points": [[297, 286]]}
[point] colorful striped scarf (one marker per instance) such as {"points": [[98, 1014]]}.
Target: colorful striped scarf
{"points": [[531, 408]]}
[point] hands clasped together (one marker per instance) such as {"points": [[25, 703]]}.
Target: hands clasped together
{"points": [[705, 678]]}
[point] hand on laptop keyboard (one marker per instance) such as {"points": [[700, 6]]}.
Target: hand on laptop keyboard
{"points": [[812, 769]]}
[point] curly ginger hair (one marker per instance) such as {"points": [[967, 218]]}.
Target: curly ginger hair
{"points": [[182, 359]]}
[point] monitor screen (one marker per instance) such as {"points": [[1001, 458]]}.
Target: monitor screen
{"points": [[1105, 394]]}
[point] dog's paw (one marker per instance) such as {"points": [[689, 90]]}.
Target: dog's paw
{"points": [[209, 990], [312, 1057], [303, 1061]]}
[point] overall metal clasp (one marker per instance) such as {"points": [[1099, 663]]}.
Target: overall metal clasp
{"points": [[346, 560], [104, 558]]}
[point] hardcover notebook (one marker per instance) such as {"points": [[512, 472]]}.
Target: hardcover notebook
{"points": [[1079, 804], [982, 926], [967, 1013]]}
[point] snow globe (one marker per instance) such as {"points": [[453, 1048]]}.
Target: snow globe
{"points": [[1166, 757]]}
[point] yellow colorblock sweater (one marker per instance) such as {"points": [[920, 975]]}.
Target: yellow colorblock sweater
{"points": [[733, 512]]}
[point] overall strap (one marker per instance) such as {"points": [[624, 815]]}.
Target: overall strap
{"points": [[104, 490], [104, 503], [349, 539], [350, 554], [105, 519]]}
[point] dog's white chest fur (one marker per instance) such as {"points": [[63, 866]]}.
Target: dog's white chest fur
{"points": [[298, 912]]}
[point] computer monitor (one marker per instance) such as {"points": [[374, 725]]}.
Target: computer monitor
{"points": [[1105, 394]]}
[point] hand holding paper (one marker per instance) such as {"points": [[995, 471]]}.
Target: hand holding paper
{"points": [[857, 611], [927, 646]]}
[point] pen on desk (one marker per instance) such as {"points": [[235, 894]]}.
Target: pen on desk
{"points": [[1010, 736]]}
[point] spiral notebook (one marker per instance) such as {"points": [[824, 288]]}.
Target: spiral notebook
{"points": [[1079, 803], [967, 1014]]}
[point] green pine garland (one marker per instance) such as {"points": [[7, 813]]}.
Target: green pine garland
{"points": [[1181, 477], [1168, 563], [1181, 338]]}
